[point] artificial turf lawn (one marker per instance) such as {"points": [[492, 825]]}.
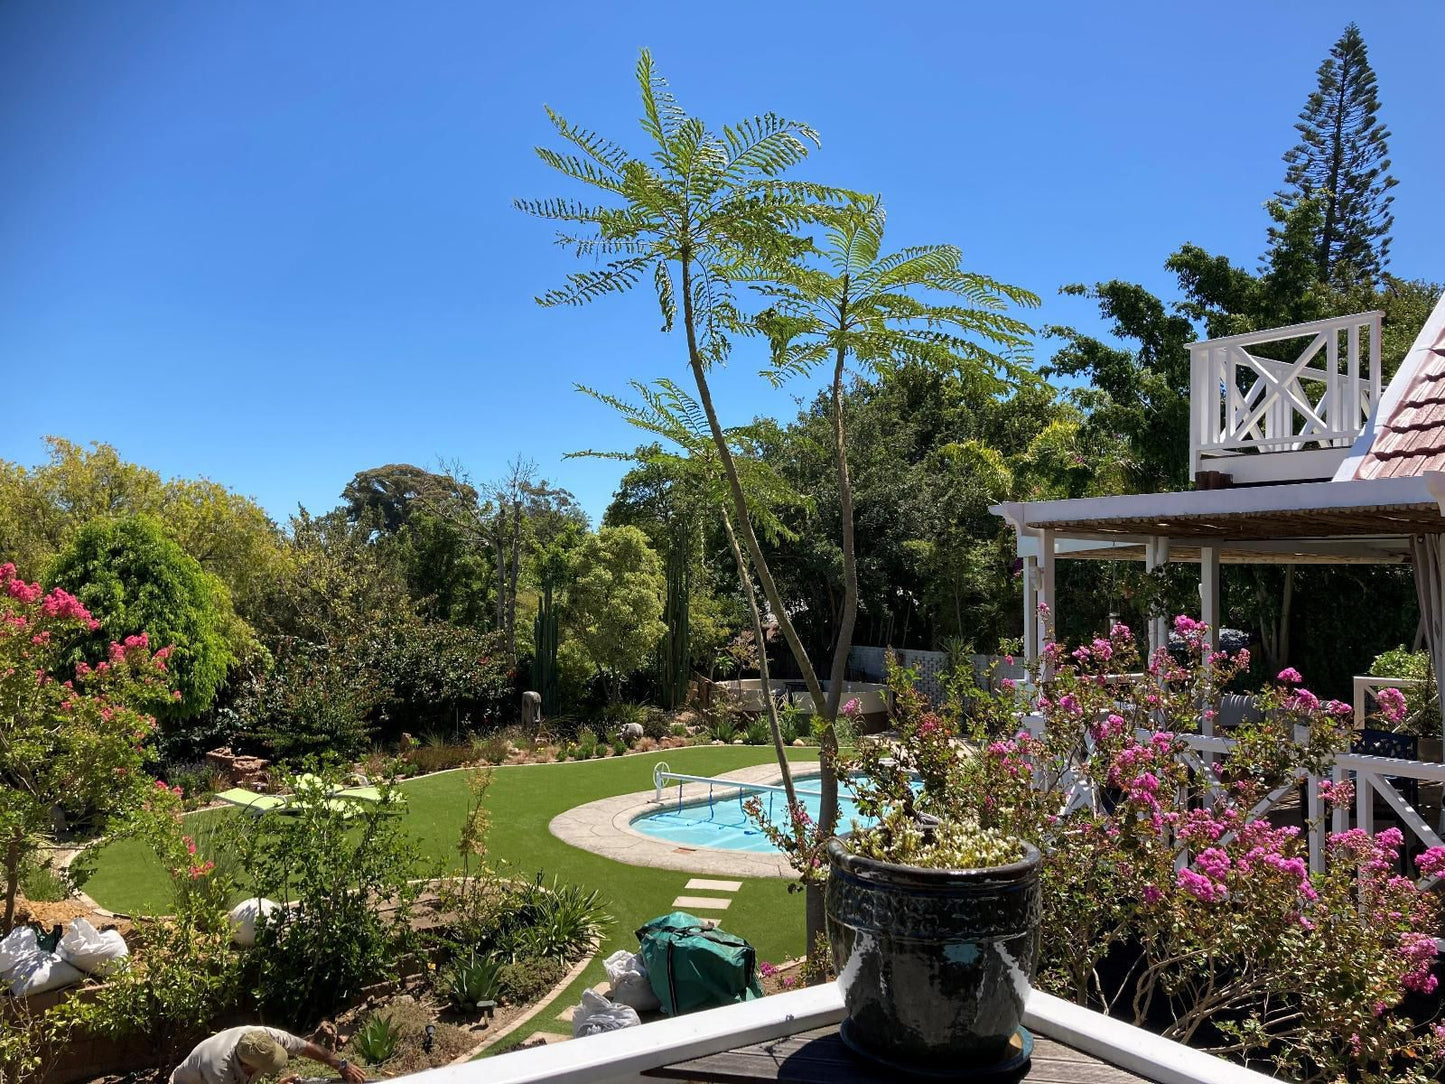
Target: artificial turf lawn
{"points": [[522, 801]]}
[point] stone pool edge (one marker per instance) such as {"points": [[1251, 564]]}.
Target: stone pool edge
{"points": [[604, 827]]}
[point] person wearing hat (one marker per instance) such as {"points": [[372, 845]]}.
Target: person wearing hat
{"points": [[240, 1055]]}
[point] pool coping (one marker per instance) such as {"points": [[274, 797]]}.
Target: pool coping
{"points": [[604, 827]]}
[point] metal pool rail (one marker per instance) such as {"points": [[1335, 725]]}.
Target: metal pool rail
{"points": [[663, 776]]}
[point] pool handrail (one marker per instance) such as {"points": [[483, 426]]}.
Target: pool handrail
{"points": [[661, 772]]}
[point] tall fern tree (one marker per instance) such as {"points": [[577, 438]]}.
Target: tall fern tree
{"points": [[855, 306], [702, 211], [1342, 165]]}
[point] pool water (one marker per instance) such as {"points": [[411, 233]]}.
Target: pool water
{"points": [[725, 825]]}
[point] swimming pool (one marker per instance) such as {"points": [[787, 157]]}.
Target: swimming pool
{"points": [[723, 824]]}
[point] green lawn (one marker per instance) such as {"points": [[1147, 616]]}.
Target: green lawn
{"points": [[522, 800]]}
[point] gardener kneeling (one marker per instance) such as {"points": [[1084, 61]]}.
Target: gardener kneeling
{"points": [[239, 1055]]}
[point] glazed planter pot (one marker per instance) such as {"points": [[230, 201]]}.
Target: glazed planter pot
{"points": [[934, 965]]}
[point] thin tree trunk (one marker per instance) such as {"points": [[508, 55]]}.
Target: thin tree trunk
{"points": [[745, 581], [827, 764], [514, 572]]}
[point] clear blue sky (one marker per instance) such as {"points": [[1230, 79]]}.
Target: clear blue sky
{"points": [[273, 244]]}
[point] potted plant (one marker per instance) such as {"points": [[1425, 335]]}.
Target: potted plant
{"points": [[933, 918]]}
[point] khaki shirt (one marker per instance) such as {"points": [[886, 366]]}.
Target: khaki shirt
{"points": [[214, 1061]]}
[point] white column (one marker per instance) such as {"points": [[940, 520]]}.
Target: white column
{"points": [[1031, 602], [1156, 555], [1209, 614], [1046, 587], [1209, 592]]}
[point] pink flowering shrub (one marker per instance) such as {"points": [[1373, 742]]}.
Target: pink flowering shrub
{"points": [[72, 742], [1168, 904]]}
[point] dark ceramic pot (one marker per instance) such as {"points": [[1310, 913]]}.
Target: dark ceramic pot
{"points": [[934, 964]]}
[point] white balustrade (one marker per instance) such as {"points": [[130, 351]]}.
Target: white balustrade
{"points": [[1242, 402]]}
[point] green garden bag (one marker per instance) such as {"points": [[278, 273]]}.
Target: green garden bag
{"points": [[693, 967]]}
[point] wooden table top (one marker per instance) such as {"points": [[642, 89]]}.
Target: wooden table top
{"points": [[819, 1057]]}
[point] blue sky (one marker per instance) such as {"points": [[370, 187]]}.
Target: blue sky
{"points": [[274, 244]]}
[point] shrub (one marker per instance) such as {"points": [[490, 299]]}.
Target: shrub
{"points": [[332, 863], [586, 743], [757, 731], [525, 980], [1424, 716], [135, 580], [654, 724], [495, 748], [429, 758]]}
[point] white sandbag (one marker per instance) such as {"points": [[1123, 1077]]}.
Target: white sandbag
{"points": [[19, 945], [628, 976], [596, 1014], [244, 917], [42, 971], [95, 953]]}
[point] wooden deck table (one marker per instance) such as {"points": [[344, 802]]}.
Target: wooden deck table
{"points": [[819, 1057]]}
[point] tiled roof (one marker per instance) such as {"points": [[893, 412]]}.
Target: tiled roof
{"points": [[1412, 440]]}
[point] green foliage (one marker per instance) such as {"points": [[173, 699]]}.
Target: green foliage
{"points": [[1423, 700], [1342, 164], [531, 921], [614, 607], [756, 731], [523, 981], [471, 980], [331, 863], [135, 579], [377, 1041]]}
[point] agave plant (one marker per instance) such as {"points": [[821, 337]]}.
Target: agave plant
{"points": [[377, 1040], [472, 980]]}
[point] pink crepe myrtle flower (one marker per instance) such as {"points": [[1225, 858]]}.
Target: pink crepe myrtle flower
{"points": [[1391, 704], [852, 708], [1289, 675]]}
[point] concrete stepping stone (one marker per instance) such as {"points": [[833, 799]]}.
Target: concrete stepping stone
{"points": [[713, 886], [701, 903]]}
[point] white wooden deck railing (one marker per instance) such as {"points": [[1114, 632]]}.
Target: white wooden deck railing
{"points": [[1372, 776], [1241, 402], [621, 1057]]}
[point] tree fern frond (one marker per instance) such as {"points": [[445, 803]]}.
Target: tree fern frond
{"points": [[597, 147], [585, 286]]}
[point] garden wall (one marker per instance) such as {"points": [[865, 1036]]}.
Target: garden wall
{"points": [[867, 663]]}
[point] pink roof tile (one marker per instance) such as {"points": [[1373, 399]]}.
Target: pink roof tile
{"points": [[1412, 440]]}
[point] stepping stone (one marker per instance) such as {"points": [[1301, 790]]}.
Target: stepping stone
{"points": [[566, 1014], [701, 903], [713, 886]]}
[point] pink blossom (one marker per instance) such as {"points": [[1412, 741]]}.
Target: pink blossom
{"points": [[1199, 886], [1391, 703], [1289, 674]]}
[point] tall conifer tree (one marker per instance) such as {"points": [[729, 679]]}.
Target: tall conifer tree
{"points": [[1342, 164]]}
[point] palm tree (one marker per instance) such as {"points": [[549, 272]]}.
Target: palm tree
{"points": [[916, 306]]}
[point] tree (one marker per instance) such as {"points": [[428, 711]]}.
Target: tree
{"points": [[1342, 163], [388, 495], [913, 307], [614, 606], [136, 580], [70, 744], [704, 210]]}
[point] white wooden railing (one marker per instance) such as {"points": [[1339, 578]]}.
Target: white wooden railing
{"points": [[1371, 775], [1243, 403], [624, 1057]]}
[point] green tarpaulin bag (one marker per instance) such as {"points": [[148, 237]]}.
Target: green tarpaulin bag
{"points": [[692, 967]]}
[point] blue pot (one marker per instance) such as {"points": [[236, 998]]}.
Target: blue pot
{"points": [[934, 964]]}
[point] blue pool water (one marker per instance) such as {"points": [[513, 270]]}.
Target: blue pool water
{"points": [[724, 824]]}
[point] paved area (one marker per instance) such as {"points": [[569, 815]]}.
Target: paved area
{"points": [[605, 827]]}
